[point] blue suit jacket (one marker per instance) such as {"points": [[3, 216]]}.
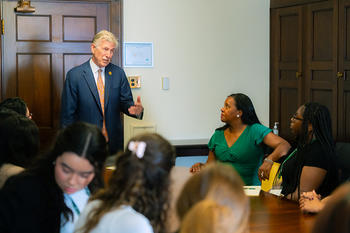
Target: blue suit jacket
{"points": [[81, 102]]}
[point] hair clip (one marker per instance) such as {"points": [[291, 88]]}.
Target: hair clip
{"points": [[138, 148]]}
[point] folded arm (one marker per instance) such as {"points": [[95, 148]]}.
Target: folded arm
{"points": [[281, 148]]}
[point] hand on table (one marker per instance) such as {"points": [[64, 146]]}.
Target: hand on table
{"points": [[311, 206], [196, 167], [310, 195]]}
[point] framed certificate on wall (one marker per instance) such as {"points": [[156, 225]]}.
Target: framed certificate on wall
{"points": [[138, 54]]}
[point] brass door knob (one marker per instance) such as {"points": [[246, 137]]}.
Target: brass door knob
{"points": [[298, 74], [340, 74]]}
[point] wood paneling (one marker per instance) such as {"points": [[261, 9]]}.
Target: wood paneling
{"points": [[87, 28], [288, 107], [286, 66], [325, 60], [72, 60], [346, 114], [321, 57], [344, 67], [39, 30], [286, 3], [34, 73], [191, 150]]}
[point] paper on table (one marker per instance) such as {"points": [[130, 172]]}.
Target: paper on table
{"points": [[252, 190], [276, 192]]}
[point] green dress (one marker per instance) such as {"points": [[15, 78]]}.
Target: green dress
{"points": [[245, 155]]}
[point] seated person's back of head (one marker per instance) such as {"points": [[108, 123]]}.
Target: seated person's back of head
{"points": [[222, 187], [15, 104], [136, 198], [19, 143]]}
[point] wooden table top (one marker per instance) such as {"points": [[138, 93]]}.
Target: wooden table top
{"points": [[270, 213]]}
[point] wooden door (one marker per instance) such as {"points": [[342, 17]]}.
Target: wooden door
{"points": [[286, 65], [321, 56], [39, 48], [344, 72]]}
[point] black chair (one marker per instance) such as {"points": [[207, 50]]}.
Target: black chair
{"points": [[343, 160]]}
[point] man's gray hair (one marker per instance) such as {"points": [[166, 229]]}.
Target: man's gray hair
{"points": [[104, 35]]}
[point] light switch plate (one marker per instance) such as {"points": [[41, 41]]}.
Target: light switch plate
{"points": [[165, 83]]}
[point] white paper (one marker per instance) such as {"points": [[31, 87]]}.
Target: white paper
{"points": [[252, 191]]}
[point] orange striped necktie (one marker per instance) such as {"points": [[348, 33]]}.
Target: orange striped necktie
{"points": [[101, 93]]}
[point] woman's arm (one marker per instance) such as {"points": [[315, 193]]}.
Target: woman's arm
{"points": [[311, 178], [198, 166], [281, 148]]}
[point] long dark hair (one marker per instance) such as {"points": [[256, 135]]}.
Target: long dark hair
{"points": [[139, 182], [244, 104], [19, 138], [74, 139], [319, 117]]}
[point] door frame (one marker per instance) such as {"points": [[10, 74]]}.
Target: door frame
{"points": [[116, 26]]}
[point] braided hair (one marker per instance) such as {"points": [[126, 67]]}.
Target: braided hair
{"points": [[140, 181], [319, 117]]}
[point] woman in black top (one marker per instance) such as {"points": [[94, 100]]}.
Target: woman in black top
{"points": [[311, 165]]}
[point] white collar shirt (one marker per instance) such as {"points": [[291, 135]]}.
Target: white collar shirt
{"points": [[95, 69]]}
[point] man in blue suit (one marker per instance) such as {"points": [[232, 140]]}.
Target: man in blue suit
{"points": [[98, 91]]}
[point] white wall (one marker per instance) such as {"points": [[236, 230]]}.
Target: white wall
{"points": [[208, 49]]}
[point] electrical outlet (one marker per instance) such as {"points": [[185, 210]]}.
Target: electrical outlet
{"points": [[135, 81]]}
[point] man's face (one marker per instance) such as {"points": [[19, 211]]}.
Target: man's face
{"points": [[102, 53]]}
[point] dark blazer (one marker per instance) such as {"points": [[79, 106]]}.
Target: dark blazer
{"points": [[81, 102], [26, 205]]}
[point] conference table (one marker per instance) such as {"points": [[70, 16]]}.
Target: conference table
{"points": [[268, 213]]}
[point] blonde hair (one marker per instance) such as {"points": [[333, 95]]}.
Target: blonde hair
{"points": [[208, 216], [104, 35], [219, 183]]}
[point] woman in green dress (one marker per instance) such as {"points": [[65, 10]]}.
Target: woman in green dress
{"points": [[239, 141]]}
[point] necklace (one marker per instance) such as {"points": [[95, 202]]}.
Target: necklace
{"points": [[289, 156]]}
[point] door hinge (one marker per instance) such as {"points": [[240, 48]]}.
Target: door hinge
{"points": [[2, 27]]}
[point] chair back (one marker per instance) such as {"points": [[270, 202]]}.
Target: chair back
{"points": [[343, 160]]}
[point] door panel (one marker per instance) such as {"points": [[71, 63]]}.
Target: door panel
{"points": [[321, 57], [344, 67], [286, 66], [40, 48]]}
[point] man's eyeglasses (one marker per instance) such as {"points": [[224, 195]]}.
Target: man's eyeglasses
{"points": [[297, 118]]}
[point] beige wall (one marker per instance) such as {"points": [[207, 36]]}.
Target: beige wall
{"points": [[208, 49]]}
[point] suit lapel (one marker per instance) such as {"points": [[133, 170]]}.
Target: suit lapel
{"points": [[89, 78], [108, 83]]}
